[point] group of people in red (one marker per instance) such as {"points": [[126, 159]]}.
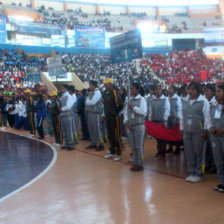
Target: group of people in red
{"points": [[185, 66]]}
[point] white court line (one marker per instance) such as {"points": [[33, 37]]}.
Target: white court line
{"points": [[37, 177]]}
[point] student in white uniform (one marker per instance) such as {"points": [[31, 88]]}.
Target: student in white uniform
{"points": [[134, 118], [194, 123]]}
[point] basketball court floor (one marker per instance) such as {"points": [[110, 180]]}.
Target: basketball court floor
{"points": [[43, 185]]}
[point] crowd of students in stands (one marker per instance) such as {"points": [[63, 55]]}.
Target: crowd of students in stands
{"points": [[184, 66], [177, 67]]}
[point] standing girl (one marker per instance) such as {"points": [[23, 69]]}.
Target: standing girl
{"points": [[217, 136], [195, 121]]}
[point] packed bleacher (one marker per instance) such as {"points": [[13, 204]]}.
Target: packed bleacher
{"points": [[178, 67], [184, 66], [13, 69]]}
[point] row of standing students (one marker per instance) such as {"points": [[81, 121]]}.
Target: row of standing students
{"points": [[198, 120]]}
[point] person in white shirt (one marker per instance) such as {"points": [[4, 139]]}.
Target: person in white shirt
{"points": [[159, 112], [194, 122], [23, 121], [66, 103], [175, 113], [94, 102], [17, 112], [74, 113], [134, 118]]}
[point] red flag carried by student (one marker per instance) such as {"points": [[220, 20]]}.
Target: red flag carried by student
{"points": [[162, 132]]}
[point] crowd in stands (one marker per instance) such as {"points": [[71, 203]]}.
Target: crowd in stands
{"points": [[177, 67], [13, 69], [96, 66], [184, 66], [75, 17]]}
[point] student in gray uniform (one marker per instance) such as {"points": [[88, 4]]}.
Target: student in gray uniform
{"points": [[159, 112], [217, 135], [87, 108], [174, 118], [210, 96], [94, 101], [134, 118], [66, 103], [149, 99], [74, 114], [194, 123]]}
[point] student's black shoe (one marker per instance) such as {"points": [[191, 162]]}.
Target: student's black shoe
{"points": [[219, 188], [136, 168], [91, 147], [64, 147], [84, 139], [182, 148], [169, 150], [100, 148], [212, 170], [70, 149], [177, 151]]}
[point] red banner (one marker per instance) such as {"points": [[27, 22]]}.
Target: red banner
{"points": [[162, 132]]}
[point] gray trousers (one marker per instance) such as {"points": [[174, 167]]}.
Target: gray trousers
{"points": [[193, 145], [135, 138], [67, 131], [75, 126], [95, 128], [218, 153]]}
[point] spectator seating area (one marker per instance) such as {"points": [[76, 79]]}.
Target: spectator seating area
{"points": [[178, 23], [178, 67], [13, 69], [184, 66]]}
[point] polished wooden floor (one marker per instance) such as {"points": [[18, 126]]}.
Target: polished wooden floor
{"points": [[84, 188]]}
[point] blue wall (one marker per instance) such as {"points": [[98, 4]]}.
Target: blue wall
{"points": [[47, 50], [181, 44]]}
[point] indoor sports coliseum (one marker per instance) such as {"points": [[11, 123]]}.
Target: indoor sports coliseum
{"points": [[111, 112]]}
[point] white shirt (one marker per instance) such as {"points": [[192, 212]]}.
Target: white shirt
{"points": [[179, 105], [185, 97], [205, 110], [141, 110], [22, 109], [74, 98], [166, 108], [96, 98], [213, 101], [69, 102]]}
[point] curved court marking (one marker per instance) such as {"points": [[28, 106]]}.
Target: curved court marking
{"points": [[55, 154]]}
